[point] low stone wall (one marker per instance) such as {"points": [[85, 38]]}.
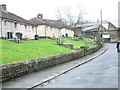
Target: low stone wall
{"points": [[67, 46], [10, 71]]}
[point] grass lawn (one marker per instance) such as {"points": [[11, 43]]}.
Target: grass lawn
{"points": [[77, 44], [14, 52]]}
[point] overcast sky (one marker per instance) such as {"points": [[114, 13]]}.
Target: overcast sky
{"points": [[30, 8]]}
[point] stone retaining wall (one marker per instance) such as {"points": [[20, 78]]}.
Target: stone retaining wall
{"points": [[11, 71]]}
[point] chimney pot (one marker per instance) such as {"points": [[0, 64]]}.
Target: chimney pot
{"points": [[40, 15]]}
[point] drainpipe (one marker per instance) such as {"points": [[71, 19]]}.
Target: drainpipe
{"points": [[36, 30]]}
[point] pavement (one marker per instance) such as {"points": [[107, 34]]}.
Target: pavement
{"points": [[34, 79]]}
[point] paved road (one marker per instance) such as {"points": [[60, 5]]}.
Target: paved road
{"points": [[101, 72]]}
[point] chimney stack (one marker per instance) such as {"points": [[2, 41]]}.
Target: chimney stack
{"points": [[40, 16], [3, 7]]}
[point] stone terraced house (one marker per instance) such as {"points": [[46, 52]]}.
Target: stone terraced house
{"points": [[45, 28], [51, 28], [65, 30], [10, 24]]}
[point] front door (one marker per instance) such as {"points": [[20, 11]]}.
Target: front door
{"points": [[66, 35], [9, 35]]}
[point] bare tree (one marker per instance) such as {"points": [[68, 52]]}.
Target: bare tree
{"points": [[66, 15], [80, 15]]}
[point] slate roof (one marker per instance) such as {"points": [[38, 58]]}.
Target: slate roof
{"points": [[91, 28], [51, 21], [8, 15], [41, 21], [37, 21], [87, 24], [60, 24]]}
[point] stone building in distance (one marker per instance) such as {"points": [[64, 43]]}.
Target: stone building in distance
{"points": [[108, 31]]}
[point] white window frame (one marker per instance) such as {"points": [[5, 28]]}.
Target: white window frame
{"points": [[32, 28], [15, 25], [25, 27], [4, 23]]}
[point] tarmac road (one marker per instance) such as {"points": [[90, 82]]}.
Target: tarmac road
{"points": [[102, 72]]}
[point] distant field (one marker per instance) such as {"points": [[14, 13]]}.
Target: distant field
{"points": [[14, 52]]}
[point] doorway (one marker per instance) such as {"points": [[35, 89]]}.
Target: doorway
{"points": [[66, 35], [9, 35]]}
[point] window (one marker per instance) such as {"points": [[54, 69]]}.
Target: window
{"points": [[32, 28], [66, 34], [25, 26], [15, 25], [35, 28], [9, 35], [5, 23]]}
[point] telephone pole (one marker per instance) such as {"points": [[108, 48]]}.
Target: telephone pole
{"points": [[101, 20], [101, 24]]}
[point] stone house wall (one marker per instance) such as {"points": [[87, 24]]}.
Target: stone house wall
{"points": [[45, 30], [27, 30], [65, 31]]}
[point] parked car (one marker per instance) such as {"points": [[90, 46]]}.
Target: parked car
{"points": [[118, 46]]}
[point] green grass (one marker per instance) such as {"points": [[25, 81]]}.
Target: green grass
{"points": [[78, 44], [14, 52]]}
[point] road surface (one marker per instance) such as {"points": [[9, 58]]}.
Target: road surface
{"points": [[101, 72]]}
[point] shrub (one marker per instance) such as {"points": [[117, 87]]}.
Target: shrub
{"points": [[19, 35]]}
